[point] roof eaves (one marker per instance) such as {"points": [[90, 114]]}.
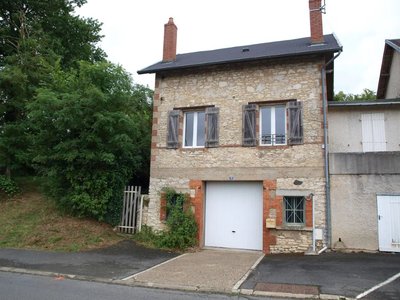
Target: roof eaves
{"points": [[392, 44], [382, 102]]}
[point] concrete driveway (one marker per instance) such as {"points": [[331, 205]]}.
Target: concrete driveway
{"points": [[116, 262], [366, 275], [206, 270]]}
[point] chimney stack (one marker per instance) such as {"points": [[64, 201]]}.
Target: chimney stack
{"points": [[170, 35], [317, 35]]}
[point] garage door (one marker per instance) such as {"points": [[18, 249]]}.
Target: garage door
{"points": [[233, 216]]}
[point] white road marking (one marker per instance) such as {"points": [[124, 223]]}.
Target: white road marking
{"points": [[393, 278]]}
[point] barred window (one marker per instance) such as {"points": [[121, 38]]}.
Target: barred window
{"points": [[294, 210]]}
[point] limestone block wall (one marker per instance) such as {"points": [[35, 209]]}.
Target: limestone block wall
{"points": [[292, 241], [229, 88]]}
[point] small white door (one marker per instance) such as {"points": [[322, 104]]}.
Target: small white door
{"points": [[233, 215], [389, 223]]}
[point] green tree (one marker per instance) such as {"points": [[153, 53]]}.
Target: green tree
{"points": [[367, 94], [91, 132], [34, 36]]}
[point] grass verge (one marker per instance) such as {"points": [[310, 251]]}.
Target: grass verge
{"points": [[31, 221]]}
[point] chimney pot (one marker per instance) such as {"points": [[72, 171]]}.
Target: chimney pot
{"points": [[170, 37], [317, 35]]}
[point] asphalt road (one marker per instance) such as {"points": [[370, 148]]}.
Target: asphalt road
{"points": [[115, 262], [34, 287], [345, 274]]}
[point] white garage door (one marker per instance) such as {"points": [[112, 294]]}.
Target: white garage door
{"points": [[234, 215]]}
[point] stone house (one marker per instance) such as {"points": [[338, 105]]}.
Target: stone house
{"points": [[242, 131], [364, 165]]}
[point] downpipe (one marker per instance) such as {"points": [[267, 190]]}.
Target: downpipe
{"points": [[326, 155]]}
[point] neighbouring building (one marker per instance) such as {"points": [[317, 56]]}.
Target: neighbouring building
{"points": [[389, 77], [241, 131], [365, 174], [364, 165]]}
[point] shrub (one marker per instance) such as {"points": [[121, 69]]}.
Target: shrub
{"points": [[182, 228], [8, 186]]}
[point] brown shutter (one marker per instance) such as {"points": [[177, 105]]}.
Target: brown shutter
{"points": [[212, 126], [295, 114], [173, 129], [249, 125]]}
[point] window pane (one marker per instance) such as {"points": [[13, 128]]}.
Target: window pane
{"points": [[266, 134], [280, 125], [189, 117], [201, 133]]}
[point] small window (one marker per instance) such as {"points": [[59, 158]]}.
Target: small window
{"points": [[294, 210], [273, 125], [194, 131]]}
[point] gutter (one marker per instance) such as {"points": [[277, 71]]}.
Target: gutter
{"points": [[365, 103], [328, 234]]}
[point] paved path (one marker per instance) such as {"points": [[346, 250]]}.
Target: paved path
{"points": [[207, 270]]}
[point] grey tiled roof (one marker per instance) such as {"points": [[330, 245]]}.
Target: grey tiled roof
{"points": [[289, 48]]}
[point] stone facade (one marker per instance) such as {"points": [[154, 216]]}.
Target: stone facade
{"points": [[229, 87]]}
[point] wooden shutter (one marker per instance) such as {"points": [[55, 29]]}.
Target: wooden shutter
{"points": [[173, 129], [249, 125], [295, 114], [212, 126], [373, 132]]}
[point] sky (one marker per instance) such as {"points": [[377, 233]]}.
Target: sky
{"points": [[133, 31]]}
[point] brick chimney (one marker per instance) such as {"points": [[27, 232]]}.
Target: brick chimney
{"points": [[170, 34], [317, 35]]}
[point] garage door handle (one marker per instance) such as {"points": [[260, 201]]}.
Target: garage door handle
{"points": [[233, 231]]}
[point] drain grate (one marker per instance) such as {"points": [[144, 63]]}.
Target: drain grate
{"points": [[287, 288]]}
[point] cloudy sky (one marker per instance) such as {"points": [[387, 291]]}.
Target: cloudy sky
{"points": [[133, 30]]}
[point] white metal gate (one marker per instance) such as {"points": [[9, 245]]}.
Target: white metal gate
{"points": [[131, 209], [389, 223]]}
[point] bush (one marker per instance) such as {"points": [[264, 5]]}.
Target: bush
{"points": [[181, 226], [8, 186], [90, 132]]}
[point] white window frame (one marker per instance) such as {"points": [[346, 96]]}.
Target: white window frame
{"points": [[194, 133], [273, 127]]}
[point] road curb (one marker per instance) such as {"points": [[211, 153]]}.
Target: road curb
{"points": [[235, 288], [146, 284]]}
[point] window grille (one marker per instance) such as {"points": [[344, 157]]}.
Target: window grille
{"points": [[294, 210]]}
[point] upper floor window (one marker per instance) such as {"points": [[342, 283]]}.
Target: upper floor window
{"points": [[194, 129], [278, 124], [273, 125], [373, 132], [200, 128]]}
